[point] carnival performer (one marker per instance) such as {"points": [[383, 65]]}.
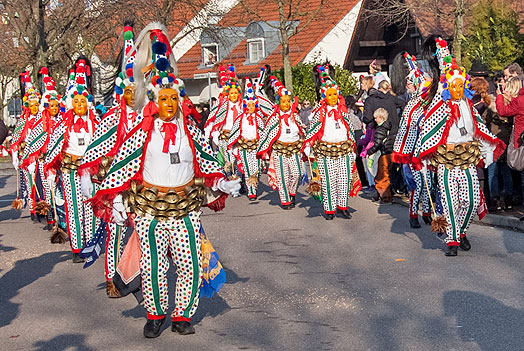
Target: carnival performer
{"points": [[66, 148], [331, 136], [37, 142], [282, 140], [223, 115], [107, 139], [163, 170], [21, 133], [244, 136], [454, 140], [406, 140]]}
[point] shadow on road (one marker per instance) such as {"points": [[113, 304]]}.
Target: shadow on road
{"points": [[6, 248], [484, 320], [24, 273], [69, 342]]}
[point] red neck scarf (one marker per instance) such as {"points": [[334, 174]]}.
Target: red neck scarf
{"points": [[251, 119], [170, 135], [235, 112], [455, 111], [335, 113], [79, 125], [286, 117]]}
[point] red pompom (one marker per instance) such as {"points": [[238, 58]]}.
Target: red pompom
{"points": [[46, 79], [80, 80], [129, 72], [80, 69], [44, 70]]}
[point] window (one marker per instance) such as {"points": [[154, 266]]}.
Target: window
{"points": [[255, 50], [210, 54]]}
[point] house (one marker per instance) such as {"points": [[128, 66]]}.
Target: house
{"points": [[248, 37]]}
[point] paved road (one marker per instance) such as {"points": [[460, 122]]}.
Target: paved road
{"points": [[295, 282]]}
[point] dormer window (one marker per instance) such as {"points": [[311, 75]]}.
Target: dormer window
{"points": [[255, 50], [209, 54]]}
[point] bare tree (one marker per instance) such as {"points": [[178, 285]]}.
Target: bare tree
{"points": [[293, 17]]}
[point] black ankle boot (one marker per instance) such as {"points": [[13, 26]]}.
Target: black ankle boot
{"points": [[344, 213], [77, 258], [414, 223], [182, 328], [34, 218], [427, 219], [329, 216], [153, 327], [293, 202], [452, 251], [287, 207], [465, 244]]}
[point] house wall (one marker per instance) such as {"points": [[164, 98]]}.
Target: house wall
{"points": [[334, 46]]}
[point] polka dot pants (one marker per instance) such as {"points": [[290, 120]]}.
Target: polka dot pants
{"points": [[289, 172], [81, 222], [460, 193], [114, 248], [181, 237], [420, 194], [336, 181], [251, 167], [28, 179]]}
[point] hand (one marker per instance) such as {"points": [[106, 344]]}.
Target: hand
{"points": [[119, 211], [215, 137], [32, 168], [488, 159], [86, 185], [424, 168], [51, 181], [231, 187], [364, 153], [307, 151], [15, 161]]}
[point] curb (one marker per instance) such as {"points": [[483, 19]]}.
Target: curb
{"points": [[507, 222]]}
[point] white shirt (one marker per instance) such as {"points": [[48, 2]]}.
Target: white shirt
{"points": [[334, 131], [249, 131], [158, 169], [465, 121], [228, 124], [78, 142], [288, 134]]}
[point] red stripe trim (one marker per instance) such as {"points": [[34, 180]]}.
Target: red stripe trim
{"points": [[155, 317]]}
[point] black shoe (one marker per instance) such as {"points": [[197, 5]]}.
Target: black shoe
{"points": [[521, 219], [253, 198], [293, 202], [77, 258], [452, 251], [287, 207], [375, 198], [465, 244], [49, 226], [329, 216], [344, 213], [34, 217], [182, 328], [427, 219], [414, 223], [153, 327]]}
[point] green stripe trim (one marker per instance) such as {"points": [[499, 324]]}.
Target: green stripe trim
{"points": [[102, 138], [349, 171], [433, 131], [78, 229], [58, 142], [194, 260], [116, 245], [119, 165], [283, 179], [328, 186], [204, 154], [154, 267], [268, 132], [471, 202], [450, 203], [37, 139], [246, 168]]}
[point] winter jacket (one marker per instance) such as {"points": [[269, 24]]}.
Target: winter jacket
{"points": [[499, 126], [390, 103], [384, 139], [514, 109]]}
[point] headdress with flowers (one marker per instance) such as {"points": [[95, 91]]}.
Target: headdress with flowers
{"points": [[249, 94], [450, 70], [416, 75], [125, 77], [228, 79], [49, 92], [31, 94], [326, 82], [279, 88], [80, 87]]}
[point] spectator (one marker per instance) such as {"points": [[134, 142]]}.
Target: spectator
{"points": [[355, 115], [481, 99], [376, 71], [383, 142], [512, 70], [305, 112], [510, 104], [382, 98]]}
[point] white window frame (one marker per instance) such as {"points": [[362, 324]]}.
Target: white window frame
{"points": [[263, 53], [205, 52]]}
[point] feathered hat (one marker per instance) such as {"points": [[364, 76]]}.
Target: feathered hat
{"points": [[416, 75], [155, 66], [80, 84], [326, 82], [279, 88], [49, 92], [125, 77], [227, 79], [69, 86], [450, 70], [28, 90], [249, 94]]}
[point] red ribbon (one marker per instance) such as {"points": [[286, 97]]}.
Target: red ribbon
{"points": [[251, 119], [79, 125], [335, 113], [149, 111], [286, 117], [235, 112], [170, 135], [455, 111], [160, 36]]}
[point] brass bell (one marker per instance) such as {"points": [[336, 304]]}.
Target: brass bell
{"points": [[458, 161], [104, 161], [473, 160], [200, 181], [133, 186], [464, 166], [193, 205], [173, 213], [441, 159], [161, 205], [477, 152], [161, 215], [182, 204], [450, 155], [449, 166], [101, 173], [171, 196], [151, 194], [150, 210], [465, 156], [459, 149], [442, 149], [139, 211], [140, 199], [131, 199], [434, 162]]}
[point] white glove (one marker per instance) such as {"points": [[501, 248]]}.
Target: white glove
{"points": [[488, 159], [231, 187], [51, 181], [207, 131], [424, 168], [15, 162], [32, 168], [307, 151], [215, 137], [119, 211], [86, 185]]}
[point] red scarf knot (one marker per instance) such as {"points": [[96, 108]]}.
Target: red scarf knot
{"points": [[251, 119], [455, 111], [286, 117], [170, 135], [79, 125], [335, 113], [235, 112]]}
